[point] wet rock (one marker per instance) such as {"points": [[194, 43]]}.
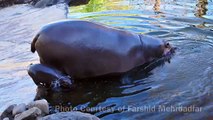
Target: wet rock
{"points": [[70, 116], [7, 112], [41, 104], [30, 114], [19, 109]]}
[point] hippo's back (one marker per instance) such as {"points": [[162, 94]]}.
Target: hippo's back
{"points": [[84, 49]]}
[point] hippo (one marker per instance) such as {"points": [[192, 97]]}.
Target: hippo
{"points": [[84, 49]]}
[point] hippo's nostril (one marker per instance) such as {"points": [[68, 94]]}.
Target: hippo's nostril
{"points": [[167, 45]]}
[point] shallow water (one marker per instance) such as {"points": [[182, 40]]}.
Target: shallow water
{"points": [[184, 82], [18, 25]]}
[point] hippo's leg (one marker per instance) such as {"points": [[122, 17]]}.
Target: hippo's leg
{"points": [[49, 77]]}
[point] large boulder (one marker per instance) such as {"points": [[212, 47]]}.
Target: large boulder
{"points": [[73, 115]]}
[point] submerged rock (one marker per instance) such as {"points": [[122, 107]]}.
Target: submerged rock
{"points": [[30, 114], [73, 115]]}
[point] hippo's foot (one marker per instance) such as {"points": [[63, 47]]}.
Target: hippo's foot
{"points": [[49, 77]]}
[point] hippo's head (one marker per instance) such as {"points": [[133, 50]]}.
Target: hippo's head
{"points": [[155, 47], [49, 77]]}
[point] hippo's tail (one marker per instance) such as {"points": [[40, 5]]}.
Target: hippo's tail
{"points": [[33, 49]]}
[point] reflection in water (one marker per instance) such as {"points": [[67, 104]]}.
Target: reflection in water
{"points": [[156, 6], [100, 5], [201, 8]]}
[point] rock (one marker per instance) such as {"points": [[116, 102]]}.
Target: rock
{"points": [[7, 112], [6, 3], [77, 2], [22, 1], [45, 3], [70, 116], [30, 114], [19, 109], [41, 104], [6, 118], [42, 3]]}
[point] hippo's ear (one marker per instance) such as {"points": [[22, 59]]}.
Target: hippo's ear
{"points": [[33, 49]]}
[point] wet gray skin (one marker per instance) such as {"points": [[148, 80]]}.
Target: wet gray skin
{"points": [[48, 77], [89, 49]]}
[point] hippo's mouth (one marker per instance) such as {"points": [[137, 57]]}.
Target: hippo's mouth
{"points": [[63, 83]]}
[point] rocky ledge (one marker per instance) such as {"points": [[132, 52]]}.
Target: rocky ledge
{"points": [[39, 110]]}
